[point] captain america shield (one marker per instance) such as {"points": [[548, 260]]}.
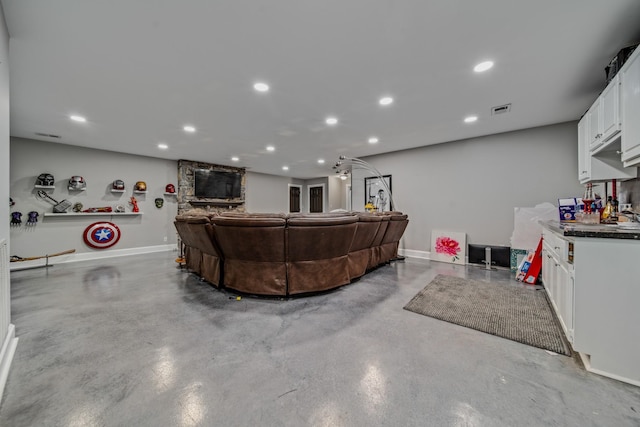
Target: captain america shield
{"points": [[101, 235]]}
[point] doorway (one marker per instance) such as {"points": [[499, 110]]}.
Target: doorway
{"points": [[294, 198], [316, 198]]}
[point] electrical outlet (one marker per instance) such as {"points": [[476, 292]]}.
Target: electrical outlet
{"points": [[165, 238]]}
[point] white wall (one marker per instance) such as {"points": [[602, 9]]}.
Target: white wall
{"points": [[268, 193], [473, 185], [29, 158]]}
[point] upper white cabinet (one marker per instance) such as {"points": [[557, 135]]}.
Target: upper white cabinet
{"points": [[603, 163], [584, 157], [610, 111], [595, 125], [604, 117], [630, 105], [609, 132]]}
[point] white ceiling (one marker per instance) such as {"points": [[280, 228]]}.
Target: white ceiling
{"points": [[140, 70]]}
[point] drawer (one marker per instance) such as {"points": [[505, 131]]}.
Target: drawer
{"points": [[556, 244]]}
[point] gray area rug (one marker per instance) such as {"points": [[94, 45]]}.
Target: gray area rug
{"points": [[513, 312]]}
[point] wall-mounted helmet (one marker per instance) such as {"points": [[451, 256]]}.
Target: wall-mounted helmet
{"points": [[45, 179], [170, 188], [77, 182], [141, 186], [118, 184]]}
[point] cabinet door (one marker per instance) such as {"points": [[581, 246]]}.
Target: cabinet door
{"points": [[595, 125], [584, 158], [610, 100], [568, 313], [630, 109], [547, 265]]}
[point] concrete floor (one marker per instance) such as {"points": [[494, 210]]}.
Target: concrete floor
{"points": [[135, 341]]}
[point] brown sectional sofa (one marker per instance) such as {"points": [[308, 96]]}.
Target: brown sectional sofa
{"points": [[318, 248], [254, 253], [281, 255]]}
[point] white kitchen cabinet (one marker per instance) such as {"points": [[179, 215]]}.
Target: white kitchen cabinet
{"points": [[595, 125], [596, 299], [610, 111], [630, 109], [602, 165], [600, 139], [584, 157], [604, 117], [557, 277]]}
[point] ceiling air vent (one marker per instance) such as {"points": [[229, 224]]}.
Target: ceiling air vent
{"points": [[48, 135], [500, 109]]}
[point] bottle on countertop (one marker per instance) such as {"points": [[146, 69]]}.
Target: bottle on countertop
{"points": [[606, 212]]}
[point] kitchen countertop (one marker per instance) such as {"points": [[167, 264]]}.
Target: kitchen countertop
{"points": [[605, 231]]}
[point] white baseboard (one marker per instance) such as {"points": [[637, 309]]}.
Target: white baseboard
{"points": [[6, 356], [87, 256], [411, 253]]}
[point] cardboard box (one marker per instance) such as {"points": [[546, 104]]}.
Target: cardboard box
{"points": [[529, 270], [567, 209]]}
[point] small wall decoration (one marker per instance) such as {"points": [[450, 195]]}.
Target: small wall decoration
{"points": [[159, 202], [375, 193], [101, 235], [33, 218], [449, 246], [16, 218], [134, 203]]}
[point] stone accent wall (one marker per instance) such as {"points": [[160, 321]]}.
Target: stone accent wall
{"points": [[186, 189]]}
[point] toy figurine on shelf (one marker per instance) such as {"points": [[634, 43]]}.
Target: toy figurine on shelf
{"points": [[134, 203]]}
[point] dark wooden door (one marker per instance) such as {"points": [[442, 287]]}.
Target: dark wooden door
{"points": [[294, 199], [315, 199]]}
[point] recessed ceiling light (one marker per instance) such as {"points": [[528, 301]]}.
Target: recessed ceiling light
{"points": [[235, 159], [387, 100], [261, 87], [189, 129], [285, 168], [271, 148], [483, 66], [321, 161], [163, 146], [470, 119], [331, 121], [373, 140], [78, 119], [343, 177]]}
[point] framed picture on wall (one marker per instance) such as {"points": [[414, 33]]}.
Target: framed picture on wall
{"points": [[376, 194]]}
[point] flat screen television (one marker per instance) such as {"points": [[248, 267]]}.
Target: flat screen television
{"points": [[210, 184]]}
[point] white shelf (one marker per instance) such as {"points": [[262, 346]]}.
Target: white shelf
{"points": [[93, 214], [171, 194], [46, 187], [76, 189], [113, 190], [139, 192]]}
